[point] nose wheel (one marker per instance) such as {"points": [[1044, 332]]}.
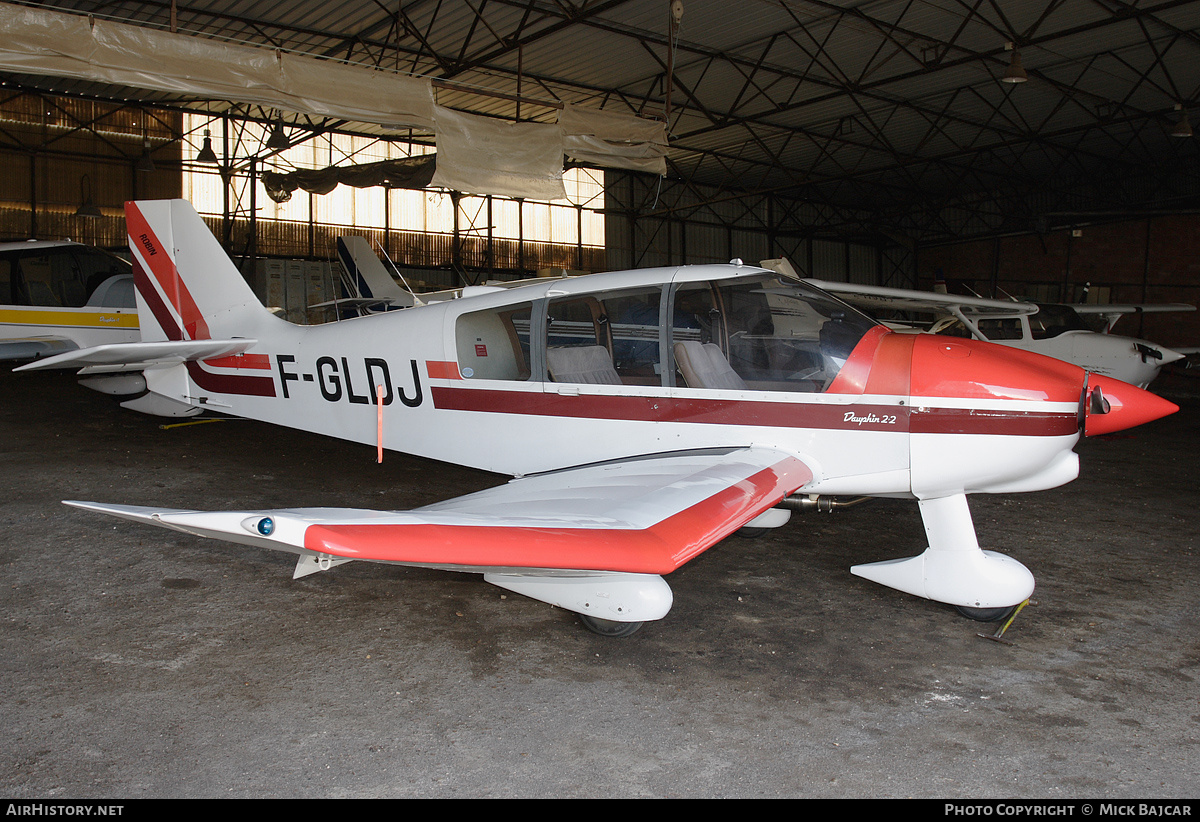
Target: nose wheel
{"points": [[1009, 614], [986, 614]]}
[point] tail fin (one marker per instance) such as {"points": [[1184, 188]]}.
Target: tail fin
{"points": [[186, 282], [191, 296], [367, 272]]}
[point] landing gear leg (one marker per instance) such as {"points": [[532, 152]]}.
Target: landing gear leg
{"points": [[954, 569]]}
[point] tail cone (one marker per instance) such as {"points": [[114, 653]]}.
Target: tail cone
{"points": [[1114, 406]]}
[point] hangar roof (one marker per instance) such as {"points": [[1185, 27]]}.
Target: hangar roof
{"points": [[891, 114]]}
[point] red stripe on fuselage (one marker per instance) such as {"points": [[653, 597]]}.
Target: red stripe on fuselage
{"points": [[665, 409], [659, 549], [243, 384], [857, 417], [1007, 423]]}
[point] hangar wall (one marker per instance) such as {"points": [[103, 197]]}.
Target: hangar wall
{"points": [[1150, 260], [653, 222], [57, 151]]}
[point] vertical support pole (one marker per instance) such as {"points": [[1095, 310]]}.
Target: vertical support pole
{"points": [[226, 170], [378, 424], [1145, 279]]}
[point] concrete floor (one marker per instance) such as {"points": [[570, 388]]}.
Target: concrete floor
{"points": [[138, 662]]}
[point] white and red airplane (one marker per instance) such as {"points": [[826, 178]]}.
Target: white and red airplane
{"points": [[645, 415]]}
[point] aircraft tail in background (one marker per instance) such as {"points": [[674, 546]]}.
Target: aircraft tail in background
{"points": [[368, 275]]}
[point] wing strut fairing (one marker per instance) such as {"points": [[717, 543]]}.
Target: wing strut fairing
{"points": [[594, 539]]}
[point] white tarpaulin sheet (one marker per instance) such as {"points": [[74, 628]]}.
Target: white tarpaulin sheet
{"points": [[614, 140], [476, 154], [35, 41], [479, 155]]}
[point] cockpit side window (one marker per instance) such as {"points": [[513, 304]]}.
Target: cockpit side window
{"points": [[1052, 320], [1006, 328], [96, 266], [605, 338], [765, 334], [494, 344], [51, 277]]}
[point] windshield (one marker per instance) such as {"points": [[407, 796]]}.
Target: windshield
{"points": [[775, 334], [1052, 320]]}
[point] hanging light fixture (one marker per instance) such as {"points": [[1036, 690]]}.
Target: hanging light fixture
{"points": [[206, 153], [1016, 72], [278, 139], [145, 163], [1184, 127], [86, 207]]}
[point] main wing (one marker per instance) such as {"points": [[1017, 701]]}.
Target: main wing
{"points": [[1110, 313], [592, 539], [901, 299]]}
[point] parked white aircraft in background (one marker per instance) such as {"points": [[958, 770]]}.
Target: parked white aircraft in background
{"points": [[645, 415], [60, 295], [1054, 330]]}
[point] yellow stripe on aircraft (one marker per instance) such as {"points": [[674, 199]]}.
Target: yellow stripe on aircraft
{"points": [[68, 318]]}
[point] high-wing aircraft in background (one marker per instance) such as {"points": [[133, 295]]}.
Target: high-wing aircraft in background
{"points": [[1055, 330], [644, 415]]}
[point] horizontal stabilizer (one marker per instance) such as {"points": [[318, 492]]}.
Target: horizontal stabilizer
{"points": [[137, 355]]}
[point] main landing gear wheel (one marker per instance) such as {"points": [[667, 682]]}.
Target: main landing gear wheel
{"points": [[609, 627], [986, 614]]}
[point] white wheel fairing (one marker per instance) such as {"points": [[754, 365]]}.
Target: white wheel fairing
{"points": [[612, 597], [953, 569]]}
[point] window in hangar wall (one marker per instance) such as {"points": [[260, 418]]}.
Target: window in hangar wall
{"points": [[419, 227]]}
